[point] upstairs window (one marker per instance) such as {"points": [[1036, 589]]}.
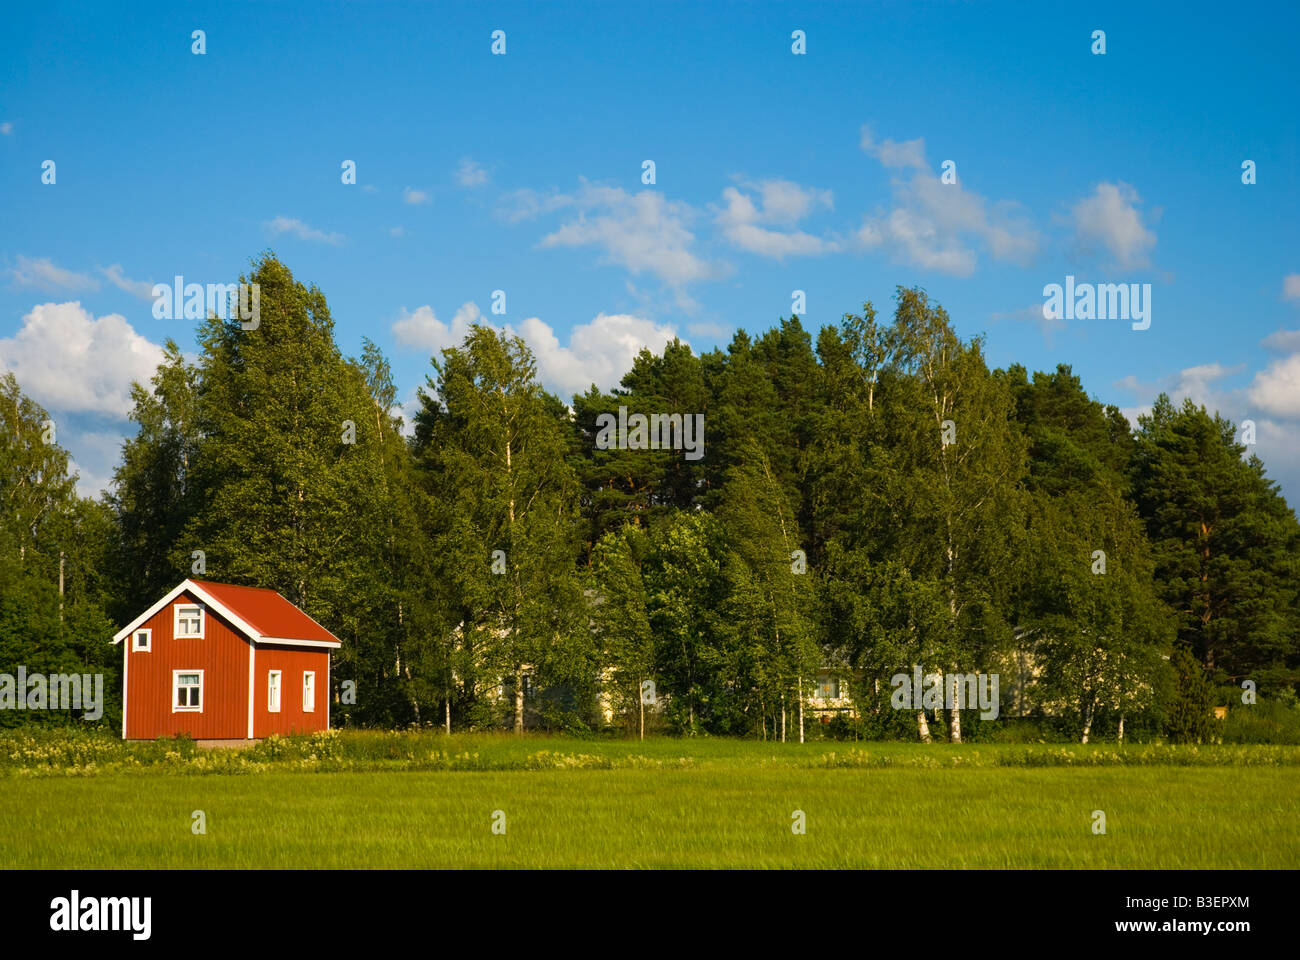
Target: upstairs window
{"points": [[189, 620], [142, 640]]}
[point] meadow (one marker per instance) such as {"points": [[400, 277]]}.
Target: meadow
{"points": [[424, 800]]}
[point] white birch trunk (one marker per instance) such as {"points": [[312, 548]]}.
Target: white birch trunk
{"points": [[519, 700], [801, 710]]}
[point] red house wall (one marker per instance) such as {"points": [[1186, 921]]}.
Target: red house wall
{"points": [[291, 662], [222, 655]]}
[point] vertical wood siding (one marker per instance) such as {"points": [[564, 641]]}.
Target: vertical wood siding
{"points": [[291, 662], [222, 655]]}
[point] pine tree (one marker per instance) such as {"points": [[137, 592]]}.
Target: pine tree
{"points": [[1226, 545]]}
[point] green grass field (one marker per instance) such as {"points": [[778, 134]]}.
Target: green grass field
{"points": [[420, 800]]}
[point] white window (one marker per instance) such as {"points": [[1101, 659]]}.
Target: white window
{"points": [[273, 691], [189, 620], [308, 691], [142, 640], [828, 688], [187, 691]]}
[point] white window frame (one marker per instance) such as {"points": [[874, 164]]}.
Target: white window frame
{"points": [[309, 702], [147, 647], [176, 688], [273, 704], [176, 620]]}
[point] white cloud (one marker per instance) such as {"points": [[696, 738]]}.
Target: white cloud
{"points": [[1200, 383], [1291, 286], [422, 328], [397, 231], [933, 224], [44, 274], [1195, 381], [1276, 445], [599, 352], [1276, 388], [6, 128], [302, 231], [1282, 341], [71, 362], [908, 153], [407, 410], [1110, 218], [142, 289], [782, 203], [529, 204], [643, 232], [470, 173], [411, 195]]}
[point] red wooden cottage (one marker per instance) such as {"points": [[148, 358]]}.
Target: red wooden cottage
{"points": [[221, 662]]}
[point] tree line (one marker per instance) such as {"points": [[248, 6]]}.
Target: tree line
{"points": [[872, 501]]}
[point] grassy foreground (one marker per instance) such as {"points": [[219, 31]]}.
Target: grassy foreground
{"points": [[663, 803]]}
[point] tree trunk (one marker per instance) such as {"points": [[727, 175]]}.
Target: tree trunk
{"points": [[519, 700], [1087, 723], [783, 718], [922, 727], [1121, 728], [954, 722], [446, 713], [801, 710], [641, 699]]}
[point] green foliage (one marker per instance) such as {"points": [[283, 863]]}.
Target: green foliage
{"points": [[1191, 710], [53, 557], [1226, 545], [872, 499], [1271, 720]]}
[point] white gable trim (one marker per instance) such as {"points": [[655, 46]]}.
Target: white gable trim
{"points": [[193, 588], [328, 644], [212, 602]]}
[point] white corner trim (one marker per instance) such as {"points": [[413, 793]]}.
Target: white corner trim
{"points": [[252, 683], [126, 700]]}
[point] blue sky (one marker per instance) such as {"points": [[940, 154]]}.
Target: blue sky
{"points": [[774, 172]]}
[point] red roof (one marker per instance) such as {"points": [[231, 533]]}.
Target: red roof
{"points": [[267, 612]]}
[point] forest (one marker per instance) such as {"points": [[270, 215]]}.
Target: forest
{"points": [[871, 498]]}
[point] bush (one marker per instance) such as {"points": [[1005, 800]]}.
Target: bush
{"points": [[1274, 719]]}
